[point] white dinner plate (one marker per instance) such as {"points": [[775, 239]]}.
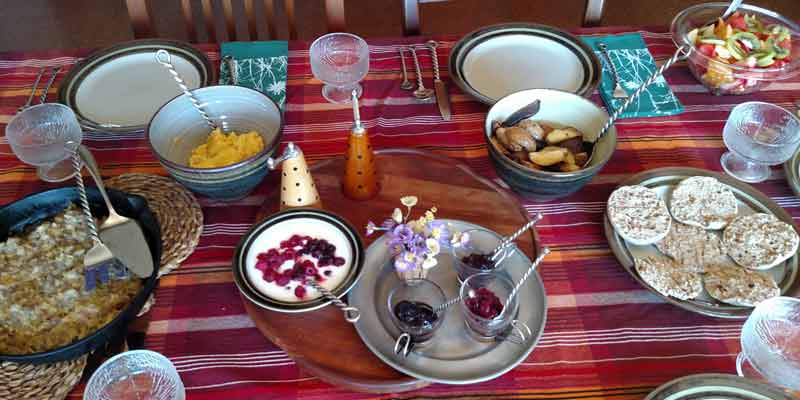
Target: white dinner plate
{"points": [[496, 61], [120, 88]]}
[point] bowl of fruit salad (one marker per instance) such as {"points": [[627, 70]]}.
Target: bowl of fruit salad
{"points": [[740, 54], [277, 257]]}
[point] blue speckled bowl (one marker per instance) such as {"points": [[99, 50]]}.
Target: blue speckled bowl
{"points": [[177, 128], [561, 109]]}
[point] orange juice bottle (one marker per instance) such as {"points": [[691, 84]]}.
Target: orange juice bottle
{"points": [[360, 181]]}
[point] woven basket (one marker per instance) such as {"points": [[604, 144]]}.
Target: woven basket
{"points": [[39, 381]]}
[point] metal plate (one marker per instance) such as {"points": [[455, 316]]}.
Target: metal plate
{"points": [[452, 356], [716, 387], [118, 89], [495, 61], [663, 180], [791, 169]]}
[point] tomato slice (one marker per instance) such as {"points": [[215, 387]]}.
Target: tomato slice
{"points": [[706, 50], [737, 22], [786, 43]]}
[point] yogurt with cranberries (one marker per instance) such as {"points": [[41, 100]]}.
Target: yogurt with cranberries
{"points": [[283, 255]]}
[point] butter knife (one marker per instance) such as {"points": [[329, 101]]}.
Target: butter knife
{"points": [[442, 97]]}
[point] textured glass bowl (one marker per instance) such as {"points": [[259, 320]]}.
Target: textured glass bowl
{"points": [[136, 374]]}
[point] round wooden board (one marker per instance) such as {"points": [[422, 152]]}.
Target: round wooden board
{"points": [[321, 341]]}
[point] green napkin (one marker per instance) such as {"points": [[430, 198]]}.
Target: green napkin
{"points": [[635, 64], [259, 65]]}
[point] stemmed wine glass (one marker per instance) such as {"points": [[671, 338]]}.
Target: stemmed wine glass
{"points": [[758, 135], [771, 343], [340, 61], [46, 136]]}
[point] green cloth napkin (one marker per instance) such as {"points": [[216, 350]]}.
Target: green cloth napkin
{"points": [[259, 65], [635, 64]]}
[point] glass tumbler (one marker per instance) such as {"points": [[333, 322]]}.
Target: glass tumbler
{"points": [[758, 135], [503, 325], [473, 257], [340, 61], [135, 374], [46, 136], [771, 343], [411, 305]]}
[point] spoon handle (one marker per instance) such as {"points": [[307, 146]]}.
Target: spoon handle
{"points": [[447, 304], [351, 314], [680, 54], [163, 58], [83, 199], [507, 241], [545, 251], [417, 68]]}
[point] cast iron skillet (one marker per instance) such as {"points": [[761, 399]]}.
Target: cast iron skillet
{"points": [[15, 217]]}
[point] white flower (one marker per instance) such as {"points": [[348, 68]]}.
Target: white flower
{"points": [[409, 201], [429, 263], [276, 88], [433, 246], [397, 216]]}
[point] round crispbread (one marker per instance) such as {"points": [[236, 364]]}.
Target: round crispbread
{"points": [[760, 241], [735, 285], [703, 201], [692, 247], [638, 214], [668, 277]]}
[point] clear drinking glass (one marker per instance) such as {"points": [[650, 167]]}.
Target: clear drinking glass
{"points": [[504, 325], [340, 61], [771, 343], [481, 242], [758, 135], [420, 292], [46, 136], [135, 375]]}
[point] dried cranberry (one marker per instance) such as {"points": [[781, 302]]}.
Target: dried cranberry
{"points": [[310, 270], [283, 279], [300, 292], [485, 304], [479, 261], [284, 244], [261, 265], [338, 261], [289, 254], [269, 275]]}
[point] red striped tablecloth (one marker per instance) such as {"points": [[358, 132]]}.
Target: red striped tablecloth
{"points": [[605, 338]]}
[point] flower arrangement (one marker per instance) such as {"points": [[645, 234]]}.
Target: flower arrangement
{"points": [[415, 243]]}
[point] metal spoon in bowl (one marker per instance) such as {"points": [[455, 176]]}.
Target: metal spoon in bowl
{"points": [[351, 314], [163, 58]]}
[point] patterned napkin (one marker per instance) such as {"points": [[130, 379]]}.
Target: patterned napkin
{"points": [[259, 65], [634, 64]]}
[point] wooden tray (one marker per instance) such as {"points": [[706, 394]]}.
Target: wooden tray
{"points": [[321, 341]]}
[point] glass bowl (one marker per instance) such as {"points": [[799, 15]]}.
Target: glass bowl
{"points": [[721, 78], [481, 242], [481, 327], [421, 293]]}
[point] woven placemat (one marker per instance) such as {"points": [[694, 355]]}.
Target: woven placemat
{"points": [[39, 381], [176, 209]]}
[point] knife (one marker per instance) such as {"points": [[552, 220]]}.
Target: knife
{"points": [[442, 97]]}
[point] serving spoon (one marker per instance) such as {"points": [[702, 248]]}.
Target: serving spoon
{"points": [[163, 58]]}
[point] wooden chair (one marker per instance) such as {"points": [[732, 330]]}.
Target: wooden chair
{"points": [[230, 20], [592, 15]]}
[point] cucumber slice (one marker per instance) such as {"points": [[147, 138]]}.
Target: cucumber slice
{"points": [[734, 49], [765, 61], [713, 41], [750, 40]]}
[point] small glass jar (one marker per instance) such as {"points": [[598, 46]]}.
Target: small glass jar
{"points": [[411, 306], [474, 295], [475, 256]]}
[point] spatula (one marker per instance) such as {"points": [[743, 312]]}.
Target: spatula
{"points": [[120, 234]]}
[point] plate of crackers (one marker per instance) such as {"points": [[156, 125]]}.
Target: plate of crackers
{"points": [[703, 241]]}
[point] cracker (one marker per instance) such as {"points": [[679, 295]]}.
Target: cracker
{"points": [[638, 214], [668, 277], [735, 285], [760, 241], [692, 247], [703, 201]]}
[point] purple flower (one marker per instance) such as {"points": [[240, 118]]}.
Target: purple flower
{"points": [[406, 261], [388, 224], [439, 231], [403, 233]]}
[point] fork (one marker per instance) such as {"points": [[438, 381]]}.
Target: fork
{"points": [[49, 83], [33, 91], [619, 92]]}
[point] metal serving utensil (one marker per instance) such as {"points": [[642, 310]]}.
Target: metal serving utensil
{"points": [[405, 84], [163, 58], [545, 251], [508, 240], [442, 96], [53, 73], [421, 93], [522, 114], [351, 314], [619, 92]]}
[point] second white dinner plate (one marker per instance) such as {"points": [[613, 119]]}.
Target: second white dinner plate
{"points": [[120, 88], [496, 61]]}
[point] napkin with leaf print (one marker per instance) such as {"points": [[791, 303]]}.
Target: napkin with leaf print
{"points": [[259, 65], [635, 64]]}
